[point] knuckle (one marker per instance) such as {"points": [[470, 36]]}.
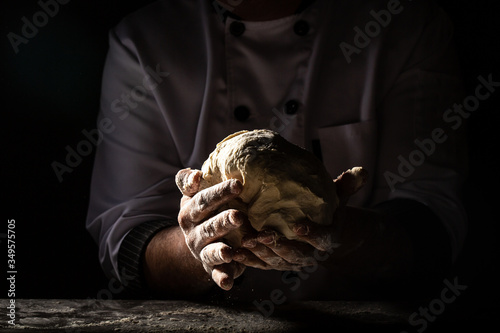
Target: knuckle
{"points": [[182, 219], [217, 255], [227, 219], [188, 215], [192, 245], [209, 229], [205, 255], [220, 224], [202, 201], [227, 190]]}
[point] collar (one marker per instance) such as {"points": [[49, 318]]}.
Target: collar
{"points": [[223, 13]]}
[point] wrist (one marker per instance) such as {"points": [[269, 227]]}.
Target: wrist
{"points": [[169, 267], [130, 256]]}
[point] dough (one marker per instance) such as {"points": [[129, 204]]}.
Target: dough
{"points": [[282, 183]]}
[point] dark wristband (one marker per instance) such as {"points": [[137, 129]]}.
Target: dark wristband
{"points": [[131, 253]]}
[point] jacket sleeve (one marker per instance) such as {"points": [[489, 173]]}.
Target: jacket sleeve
{"points": [[422, 157], [133, 185]]}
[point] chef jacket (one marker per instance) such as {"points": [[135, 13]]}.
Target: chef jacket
{"points": [[356, 82]]}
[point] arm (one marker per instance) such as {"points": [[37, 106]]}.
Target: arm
{"points": [[390, 246], [398, 247], [184, 260], [134, 198], [171, 269], [133, 192]]}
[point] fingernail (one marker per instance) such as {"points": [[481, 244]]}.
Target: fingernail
{"points": [[300, 229], [267, 237], [194, 179], [239, 257], [236, 187], [226, 283]]}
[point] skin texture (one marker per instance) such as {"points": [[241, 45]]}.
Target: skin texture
{"points": [[203, 230], [187, 260], [283, 183]]}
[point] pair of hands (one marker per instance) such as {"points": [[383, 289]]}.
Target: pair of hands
{"points": [[204, 230]]}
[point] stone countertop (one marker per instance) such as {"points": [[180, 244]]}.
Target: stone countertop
{"points": [[53, 315]]}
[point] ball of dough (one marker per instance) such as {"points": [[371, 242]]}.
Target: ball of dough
{"points": [[282, 183]]}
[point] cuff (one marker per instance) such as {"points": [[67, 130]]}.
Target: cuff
{"points": [[131, 253]]}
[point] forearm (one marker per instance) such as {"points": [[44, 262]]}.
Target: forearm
{"points": [[400, 242], [372, 247], [169, 267]]}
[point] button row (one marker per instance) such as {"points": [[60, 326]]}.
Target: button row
{"points": [[237, 28], [242, 113]]}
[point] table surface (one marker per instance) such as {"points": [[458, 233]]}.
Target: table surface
{"points": [[44, 315], [177, 316]]}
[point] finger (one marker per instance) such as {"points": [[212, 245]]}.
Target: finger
{"points": [[207, 201], [271, 259], [320, 237], [219, 226], [184, 200], [349, 182], [238, 269], [188, 181], [224, 275], [292, 251], [247, 258], [216, 254]]}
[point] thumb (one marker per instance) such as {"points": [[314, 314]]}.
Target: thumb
{"points": [[350, 182], [188, 181]]}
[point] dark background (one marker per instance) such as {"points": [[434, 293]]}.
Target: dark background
{"points": [[50, 93]]}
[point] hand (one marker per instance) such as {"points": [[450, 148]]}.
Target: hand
{"points": [[269, 250], [203, 228]]}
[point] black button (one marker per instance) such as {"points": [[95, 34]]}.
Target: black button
{"points": [[237, 28], [301, 28], [291, 107], [241, 113]]}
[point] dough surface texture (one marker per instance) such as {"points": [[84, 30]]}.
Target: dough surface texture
{"points": [[282, 183]]}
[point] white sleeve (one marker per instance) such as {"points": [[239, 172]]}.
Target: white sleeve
{"points": [[136, 160]]}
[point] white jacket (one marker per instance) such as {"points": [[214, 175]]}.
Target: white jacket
{"points": [[364, 79]]}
